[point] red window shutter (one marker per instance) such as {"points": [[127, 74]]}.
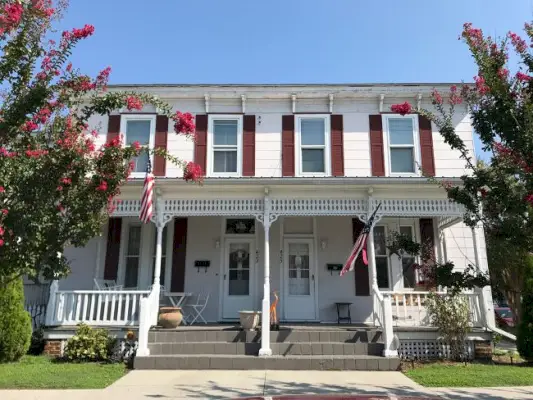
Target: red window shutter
{"points": [[287, 145], [376, 145], [427, 236], [113, 127], [161, 134], [112, 254], [200, 147], [362, 280], [179, 253], [337, 146], [248, 156], [426, 146]]}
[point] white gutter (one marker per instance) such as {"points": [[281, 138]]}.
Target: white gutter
{"points": [[283, 181]]}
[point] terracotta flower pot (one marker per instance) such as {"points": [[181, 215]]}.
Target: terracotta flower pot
{"points": [[249, 319], [170, 317]]}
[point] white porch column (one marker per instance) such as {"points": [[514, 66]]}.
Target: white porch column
{"points": [[267, 219], [481, 263], [160, 222]]}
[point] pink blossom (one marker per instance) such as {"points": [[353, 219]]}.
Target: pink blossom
{"points": [[134, 103], [184, 123], [436, 98], [481, 86], [1, 242], [41, 76], [529, 198], [12, 15], [520, 76], [136, 145], [519, 44], [102, 187], [66, 181], [2, 189], [59, 188], [103, 77], [503, 73], [29, 126], [192, 172], [2, 231], [401, 109], [455, 98], [4, 211]]}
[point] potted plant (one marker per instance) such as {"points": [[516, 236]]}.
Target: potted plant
{"points": [[249, 319], [170, 317]]}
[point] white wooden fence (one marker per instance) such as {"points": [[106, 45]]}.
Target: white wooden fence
{"points": [[95, 307], [408, 308]]}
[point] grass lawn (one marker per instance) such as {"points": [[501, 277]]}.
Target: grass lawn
{"points": [[42, 373], [471, 375]]}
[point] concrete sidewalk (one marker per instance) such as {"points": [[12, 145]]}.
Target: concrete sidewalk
{"points": [[214, 384]]}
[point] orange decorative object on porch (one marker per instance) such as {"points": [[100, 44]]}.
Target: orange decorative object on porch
{"points": [[273, 312]]}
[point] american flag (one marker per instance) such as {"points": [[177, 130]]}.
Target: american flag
{"points": [[360, 245], [147, 195]]}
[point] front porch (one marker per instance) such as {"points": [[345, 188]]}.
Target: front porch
{"points": [[288, 241]]}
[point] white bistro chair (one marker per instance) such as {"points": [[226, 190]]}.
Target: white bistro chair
{"points": [[106, 284], [197, 307]]}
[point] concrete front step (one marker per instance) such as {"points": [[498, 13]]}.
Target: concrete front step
{"points": [[285, 349], [243, 362], [282, 336]]}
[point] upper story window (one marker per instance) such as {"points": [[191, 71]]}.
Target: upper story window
{"points": [[401, 144], [139, 128], [225, 145], [312, 149]]}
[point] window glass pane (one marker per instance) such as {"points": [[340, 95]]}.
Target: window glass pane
{"points": [[137, 131], [407, 231], [134, 241], [299, 283], [382, 268], [380, 241], [239, 269], [409, 273], [132, 272], [225, 161], [225, 132], [313, 160], [402, 160], [313, 131], [401, 131]]}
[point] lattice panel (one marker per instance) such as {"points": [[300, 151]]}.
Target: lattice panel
{"points": [[418, 207], [127, 208], [318, 206], [229, 207], [428, 349]]}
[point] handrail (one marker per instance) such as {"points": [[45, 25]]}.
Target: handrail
{"points": [[104, 291]]}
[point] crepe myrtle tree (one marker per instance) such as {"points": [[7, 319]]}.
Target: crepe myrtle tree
{"points": [[57, 187], [497, 195]]}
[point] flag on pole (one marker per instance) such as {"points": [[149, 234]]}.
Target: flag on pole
{"points": [[360, 245], [147, 195]]}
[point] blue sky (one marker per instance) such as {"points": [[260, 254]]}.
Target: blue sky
{"points": [[286, 41]]}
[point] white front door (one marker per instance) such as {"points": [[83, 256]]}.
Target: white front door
{"points": [[239, 275], [299, 277]]}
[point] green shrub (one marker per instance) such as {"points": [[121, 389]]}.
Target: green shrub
{"points": [[524, 341], [89, 344], [15, 322], [37, 342]]}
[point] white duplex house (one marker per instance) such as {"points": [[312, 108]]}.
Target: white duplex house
{"points": [[291, 174]]}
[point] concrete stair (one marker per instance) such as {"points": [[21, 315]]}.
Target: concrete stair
{"points": [[293, 349]]}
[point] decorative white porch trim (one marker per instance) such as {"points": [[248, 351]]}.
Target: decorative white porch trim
{"points": [[447, 211]]}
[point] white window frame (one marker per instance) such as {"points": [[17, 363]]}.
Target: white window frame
{"points": [[326, 146], [415, 145], [386, 256], [139, 117], [415, 236], [211, 148]]}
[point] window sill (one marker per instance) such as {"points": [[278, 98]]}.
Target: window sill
{"points": [[219, 175]]}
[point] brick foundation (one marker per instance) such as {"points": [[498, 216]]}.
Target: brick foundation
{"points": [[53, 348]]}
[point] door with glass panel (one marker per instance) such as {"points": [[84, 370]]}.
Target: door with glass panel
{"points": [[239, 275], [299, 291]]}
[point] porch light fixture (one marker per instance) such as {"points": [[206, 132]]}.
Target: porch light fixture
{"points": [[323, 243], [217, 243]]}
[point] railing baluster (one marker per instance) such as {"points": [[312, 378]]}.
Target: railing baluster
{"points": [[119, 309], [419, 308], [99, 308], [134, 317], [127, 308], [397, 306], [106, 305], [113, 308], [405, 314], [91, 312], [70, 305]]}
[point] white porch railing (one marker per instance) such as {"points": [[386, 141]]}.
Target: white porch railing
{"points": [[408, 308], [96, 307]]}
